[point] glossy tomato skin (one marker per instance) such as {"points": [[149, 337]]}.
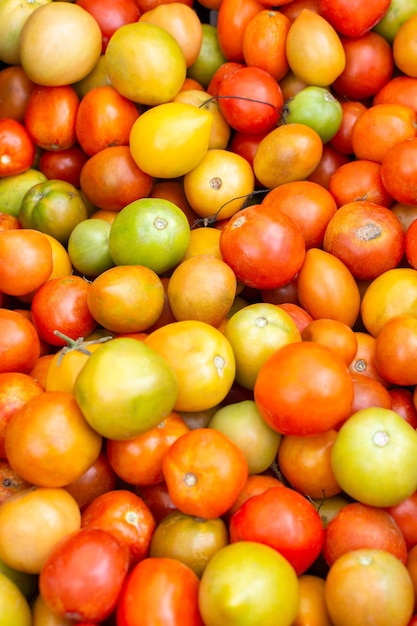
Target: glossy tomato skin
{"points": [[150, 581], [353, 18], [63, 164], [283, 519], [110, 15], [61, 304], [17, 150], [83, 575]]}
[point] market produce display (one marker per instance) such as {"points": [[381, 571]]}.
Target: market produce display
{"points": [[208, 313]]}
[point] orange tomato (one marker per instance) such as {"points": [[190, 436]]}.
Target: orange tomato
{"points": [[23, 273], [404, 47], [395, 348], [264, 42], [232, 19], [359, 179], [20, 345], [334, 334], [312, 609]]}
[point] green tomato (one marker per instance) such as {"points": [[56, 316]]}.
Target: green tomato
{"points": [[88, 247], [248, 584], [14, 608], [317, 108], [209, 59], [53, 207], [243, 424], [125, 388], [374, 457], [152, 232], [398, 12], [13, 190]]}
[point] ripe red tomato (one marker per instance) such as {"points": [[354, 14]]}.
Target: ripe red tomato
{"points": [[398, 171], [298, 535], [19, 342], [17, 150], [63, 164], [353, 18], [110, 15]]}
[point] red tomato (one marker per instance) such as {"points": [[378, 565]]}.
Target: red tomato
{"points": [[404, 515], [283, 519], [50, 116], [166, 591], [84, 574], [61, 304], [63, 164], [399, 171], [232, 18], [353, 18], [251, 100], [109, 15], [19, 343], [402, 403], [17, 150]]}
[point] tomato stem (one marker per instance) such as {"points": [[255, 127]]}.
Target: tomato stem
{"points": [[77, 344]]}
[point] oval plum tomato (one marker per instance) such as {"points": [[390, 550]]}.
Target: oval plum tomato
{"points": [[98, 479], [399, 173], [369, 65], [312, 37], [125, 515], [15, 88], [317, 108], [56, 445], [61, 304], [177, 136], [138, 461], [342, 140], [150, 231], [264, 247], [327, 289], [21, 274], [369, 584], [17, 150], [300, 535], [145, 63], [226, 589], [305, 463], [341, 15], [63, 164], [53, 207], [404, 49], [189, 539], [251, 100], [110, 16], [126, 298], [358, 526], [367, 237], [264, 42], [233, 17], [125, 388], [288, 153], [195, 466], [84, 573], [79, 33], [19, 342], [298, 406], [147, 583], [392, 293], [394, 350], [52, 513], [110, 179], [359, 179], [307, 203], [389, 446], [50, 117], [104, 118]]}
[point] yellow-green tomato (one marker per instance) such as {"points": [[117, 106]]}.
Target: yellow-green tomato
{"points": [[14, 608], [318, 108]]}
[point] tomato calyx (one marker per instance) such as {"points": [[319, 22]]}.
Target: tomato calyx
{"points": [[78, 344]]}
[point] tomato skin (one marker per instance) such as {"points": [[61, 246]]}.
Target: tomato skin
{"points": [[19, 342], [353, 18], [63, 164], [109, 16], [84, 574], [298, 535], [15, 88], [17, 150], [233, 17], [147, 583], [398, 171]]}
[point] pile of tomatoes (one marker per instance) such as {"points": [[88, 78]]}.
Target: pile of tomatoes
{"points": [[208, 313]]}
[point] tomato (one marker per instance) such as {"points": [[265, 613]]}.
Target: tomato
{"points": [[369, 392], [394, 350], [359, 179], [398, 12], [20, 274], [11, 483], [232, 20], [88, 247], [17, 150], [265, 248], [109, 16], [312, 608], [398, 90], [147, 583], [388, 446], [341, 15], [369, 584], [15, 607], [397, 171], [402, 403], [312, 37], [298, 406], [158, 500], [342, 140], [177, 135], [14, 187], [243, 111], [13, 16], [98, 479], [226, 587], [83, 574], [299, 537], [63, 165], [334, 334], [40, 41], [125, 388], [145, 63], [220, 130], [330, 160], [317, 108], [404, 49], [264, 42], [369, 65], [278, 157], [61, 304], [15, 88], [19, 341], [41, 512]]}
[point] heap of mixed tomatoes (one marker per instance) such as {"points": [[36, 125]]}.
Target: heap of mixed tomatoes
{"points": [[208, 313]]}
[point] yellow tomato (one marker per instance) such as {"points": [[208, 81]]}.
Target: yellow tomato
{"points": [[170, 139], [220, 131]]}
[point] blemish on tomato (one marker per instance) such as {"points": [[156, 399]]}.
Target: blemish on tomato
{"points": [[381, 438], [160, 223], [369, 231], [219, 364], [215, 183], [239, 221], [190, 479]]}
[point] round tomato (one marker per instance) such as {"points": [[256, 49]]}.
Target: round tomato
{"points": [[17, 150], [63, 164], [110, 16], [19, 342], [15, 608], [315, 107], [21, 274]]}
